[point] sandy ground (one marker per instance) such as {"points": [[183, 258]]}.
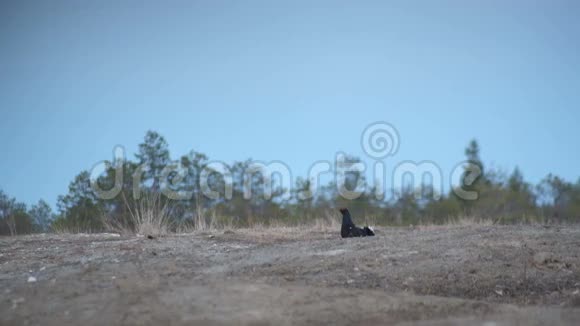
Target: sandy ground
{"points": [[480, 275]]}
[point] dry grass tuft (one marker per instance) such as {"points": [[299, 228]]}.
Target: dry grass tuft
{"points": [[149, 216]]}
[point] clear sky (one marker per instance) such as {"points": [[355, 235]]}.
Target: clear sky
{"points": [[294, 81]]}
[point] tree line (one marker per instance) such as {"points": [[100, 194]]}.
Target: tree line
{"points": [[502, 198]]}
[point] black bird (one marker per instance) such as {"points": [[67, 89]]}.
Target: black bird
{"points": [[349, 230]]}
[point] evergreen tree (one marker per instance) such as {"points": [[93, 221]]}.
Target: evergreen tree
{"points": [[41, 214], [154, 154]]}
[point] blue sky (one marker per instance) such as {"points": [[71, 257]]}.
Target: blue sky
{"points": [[294, 81]]}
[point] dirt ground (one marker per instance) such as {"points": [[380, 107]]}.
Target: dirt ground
{"points": [[480, 275]]}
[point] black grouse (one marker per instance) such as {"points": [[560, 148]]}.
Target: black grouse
{"points": [[349, 230]]}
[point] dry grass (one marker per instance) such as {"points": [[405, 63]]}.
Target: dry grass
{"points": [[277, 230], [58, 228], [470, 221], [206, 220], [466, 221], [273, 230], [210, 221], [149, 215], [330, 221]]}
